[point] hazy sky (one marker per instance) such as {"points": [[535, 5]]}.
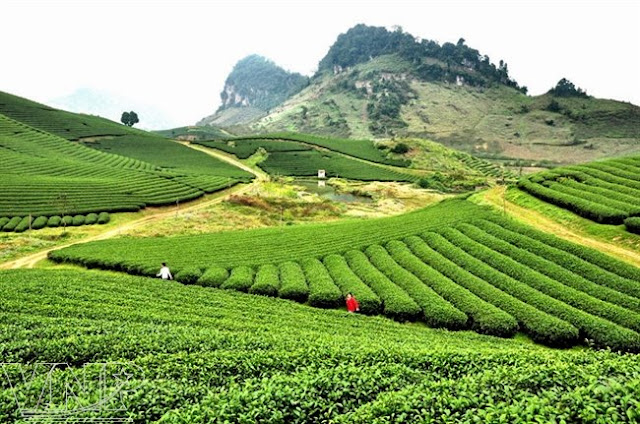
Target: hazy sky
{"points": [[175, 55]]}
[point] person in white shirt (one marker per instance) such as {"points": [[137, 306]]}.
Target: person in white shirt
{"points": [[164, 273]]}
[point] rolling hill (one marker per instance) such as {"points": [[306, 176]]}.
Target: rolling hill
{"points": [[454, 265], [47, 177], [375, 83]]}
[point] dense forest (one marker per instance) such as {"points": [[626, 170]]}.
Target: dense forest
{"points": [[431, 61]]}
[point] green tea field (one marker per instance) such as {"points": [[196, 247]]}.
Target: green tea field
{"points": [[398, 233]]}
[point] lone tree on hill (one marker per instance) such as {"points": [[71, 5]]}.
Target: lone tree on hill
{"points": [[129, 118]]}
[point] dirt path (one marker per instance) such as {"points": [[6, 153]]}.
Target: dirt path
{"points": [[494, 197], [155, 214]]}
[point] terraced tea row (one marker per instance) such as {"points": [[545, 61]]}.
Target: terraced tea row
{"points": [[488, 274], [286, 157], [307, 163], [193, 355], [363, 149], [607, 191], [70, 126], [46, 175], [18, 224]]}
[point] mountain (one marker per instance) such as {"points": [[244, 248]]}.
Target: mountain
{"points": [[376, 83], [252, 89]]}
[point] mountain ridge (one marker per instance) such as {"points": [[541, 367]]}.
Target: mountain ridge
{"points": [[401, 86]]}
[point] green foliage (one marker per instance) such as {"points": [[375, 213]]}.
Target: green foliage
{"points": [[12, 224], [400, 148], [260, 83], [71, 126], [63, 177], [23, 225], [549, 296], [39, 222], [91, 218], [267, 281], [293, 284], [188, 275], [363, 149], [129, 118], [565, 88], [198, 357], [487, 318], [241, 279], [323, 293], [632, 224], [213, 277], [307, 163], [103, 217], [606, 192], [431, 61], [348, 282], [396, 303], [54, 221], [277, 245], [78, 220], [436, 311], [471, 268]]}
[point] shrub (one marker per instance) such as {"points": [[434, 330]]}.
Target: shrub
{"points": [[241, 279], [54, 221], [23, 225], [396, 303], [529, 287], [293, 284], [437, 311], [4, 221], [267, 281], [348, 282], [323, 293], [400, 148], [12, 224], [91, 219], [78, 220], [67, 220], [213, 277], [103, 218], [188, 275], [486, 317], [39, 222], [632, 224]]}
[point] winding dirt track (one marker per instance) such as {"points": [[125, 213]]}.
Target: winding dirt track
{"points": [[543, 223], [155, 214]]}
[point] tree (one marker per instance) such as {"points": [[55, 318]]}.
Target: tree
{"points": [[565, 88], [129, 118]]}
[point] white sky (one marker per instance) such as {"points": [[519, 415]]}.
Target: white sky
{"points": [[176, 55]]}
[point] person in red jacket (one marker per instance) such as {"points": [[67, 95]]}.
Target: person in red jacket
{"points": [[352, 303]]}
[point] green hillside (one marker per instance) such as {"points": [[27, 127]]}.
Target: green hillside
{"points": [[193, 355], [443, 265], [375, 83], [71, 126], [47, 178], [606, 191]]}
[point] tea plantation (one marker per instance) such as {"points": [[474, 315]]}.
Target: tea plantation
{"points": [[195, 354], [44, 175], [290, 156], [470, 269], [607, 191]]}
